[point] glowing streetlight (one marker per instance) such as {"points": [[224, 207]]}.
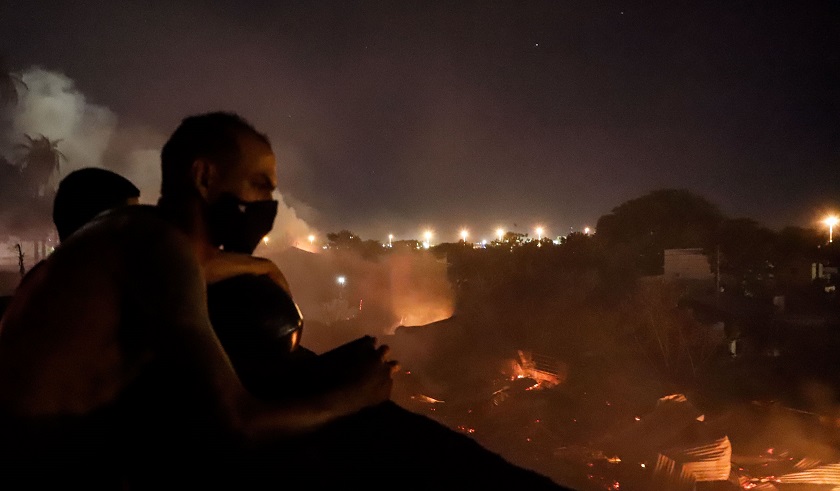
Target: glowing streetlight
{"points": [[390, 238], [265, 240], [341, 280], [501, 233], [830, 222], [428, 236], [539, 233], [311, 239], [586, 230], [464, 235]]}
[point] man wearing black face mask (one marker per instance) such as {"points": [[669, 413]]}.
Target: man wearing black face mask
{"points": [[218, 181], [228, 209]]}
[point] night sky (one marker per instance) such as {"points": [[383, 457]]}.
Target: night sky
{"points": [[397, 116]]}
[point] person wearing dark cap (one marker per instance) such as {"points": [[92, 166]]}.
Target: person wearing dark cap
{"points": [[81, 196], [85, 193]]}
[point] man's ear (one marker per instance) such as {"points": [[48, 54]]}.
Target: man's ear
{"points": [[203, 173]]}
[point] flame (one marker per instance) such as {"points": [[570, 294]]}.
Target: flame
{"points": [[547, 372], [426, 399]]}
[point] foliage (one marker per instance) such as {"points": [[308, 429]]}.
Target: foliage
{"points": [[23, 213], [40, 161], [662, 219], [344, 239], [514, 238], [669, 336], [746, 253], [348, 241], [10, 84]]}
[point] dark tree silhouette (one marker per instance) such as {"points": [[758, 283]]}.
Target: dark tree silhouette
{"points": [[344, 239], [10, 85], [662, 219], [41, 160]]}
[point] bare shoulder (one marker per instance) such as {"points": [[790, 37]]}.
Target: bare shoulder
{"points": [[159, 272], [136, 243], [107, 301], [140, 225]]}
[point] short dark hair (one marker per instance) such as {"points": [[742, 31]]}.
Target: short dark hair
{"points": [[85, 193], [214, 136]]}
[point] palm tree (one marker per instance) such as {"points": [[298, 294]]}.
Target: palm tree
{"points": [[26, 213], [9, 85], [40, 161]]}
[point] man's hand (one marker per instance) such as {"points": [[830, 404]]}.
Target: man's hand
{"points": [[361, 372], [223, 265]]}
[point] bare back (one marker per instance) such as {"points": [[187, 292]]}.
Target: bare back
{"points": [[108, 306]]}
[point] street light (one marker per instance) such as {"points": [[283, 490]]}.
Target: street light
{"points": [[390, 238], [586, 230], [830, 222], [539, 233], [501, 233], [341, 280], [428, 236], [464, 235], [311, 239]]}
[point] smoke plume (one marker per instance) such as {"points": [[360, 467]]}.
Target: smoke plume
{"points": [[90, 136]]}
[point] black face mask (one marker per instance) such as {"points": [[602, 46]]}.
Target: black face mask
{"points": [[238, 226]]}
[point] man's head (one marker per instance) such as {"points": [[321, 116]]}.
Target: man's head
{"points": [[224, 163], [85, 193]]}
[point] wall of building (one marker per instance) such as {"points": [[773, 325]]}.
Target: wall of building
{"points": [[690, 264]]}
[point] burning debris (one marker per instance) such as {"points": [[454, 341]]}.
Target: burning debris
{"points": [[594, 433], [783, 473], [674, 437], [828, 475], [546, 371], [681, 468], [426, 399]]}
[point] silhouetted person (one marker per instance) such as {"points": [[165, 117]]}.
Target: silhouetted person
{"points": [[85, 193], [109, 369], [260, 327], [81, 196]]}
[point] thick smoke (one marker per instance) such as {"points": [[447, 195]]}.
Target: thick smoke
{"points": [[378, 294], [90, 136], [403, 289], [52, 106]]}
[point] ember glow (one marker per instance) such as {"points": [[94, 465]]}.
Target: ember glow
{"points": [[545, 371]]}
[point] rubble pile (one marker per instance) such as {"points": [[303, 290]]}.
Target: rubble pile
{"points": [[536, 412]]}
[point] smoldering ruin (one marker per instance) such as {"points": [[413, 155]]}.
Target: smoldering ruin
{"points": [[567, 363]]}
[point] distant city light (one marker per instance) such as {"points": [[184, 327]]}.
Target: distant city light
{"points": [[586, 230], [390, 238], [539, 231], [428, 236], [464, 235], [500, 232], [311, 239], [341, 280], [830, 222]]}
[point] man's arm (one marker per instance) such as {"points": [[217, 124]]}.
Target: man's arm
{"points": [[170, 286]]}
